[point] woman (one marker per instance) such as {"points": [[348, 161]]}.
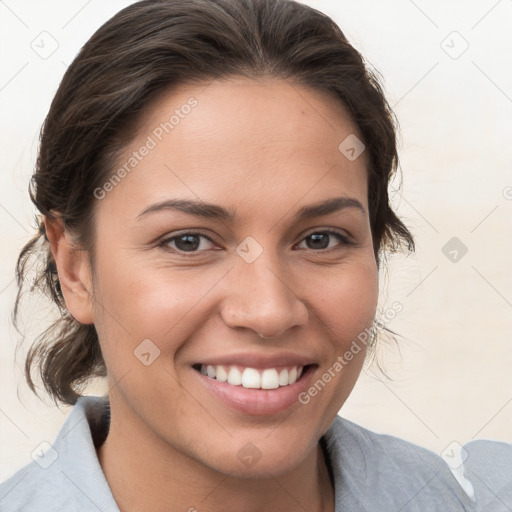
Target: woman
{"points": [[212, 183]]}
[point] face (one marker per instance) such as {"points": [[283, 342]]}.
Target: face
{"points": [[241, 218]]}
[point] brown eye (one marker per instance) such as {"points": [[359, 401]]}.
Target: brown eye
{"points": [[187, 242], [320, 240]]}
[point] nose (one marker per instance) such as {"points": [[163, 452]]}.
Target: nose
{"points": [[261, 298]]}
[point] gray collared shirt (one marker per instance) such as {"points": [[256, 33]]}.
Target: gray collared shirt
{"points": [[371, 472]]}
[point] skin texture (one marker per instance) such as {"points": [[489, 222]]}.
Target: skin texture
{"points": [[261, 149]]}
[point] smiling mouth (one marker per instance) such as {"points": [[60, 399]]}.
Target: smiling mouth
{"points": [[252, 378]]}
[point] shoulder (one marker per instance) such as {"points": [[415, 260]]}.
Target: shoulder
{"points": [[66, 475], [384, 471], [382, 450], [33, 489], [488, 465]]}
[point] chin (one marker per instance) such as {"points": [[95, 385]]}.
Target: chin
{"points": [[260, 456]]}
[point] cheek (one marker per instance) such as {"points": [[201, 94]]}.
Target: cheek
{"points": [[345, 308], [136, 302], [347, 301]]}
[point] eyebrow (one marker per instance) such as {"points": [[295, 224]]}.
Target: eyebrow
{"points": [[216, 212]]}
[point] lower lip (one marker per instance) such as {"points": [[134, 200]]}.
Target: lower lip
{"points": [[258, 402]]}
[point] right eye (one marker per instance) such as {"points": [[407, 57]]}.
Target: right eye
{"points": [[188, 242]]}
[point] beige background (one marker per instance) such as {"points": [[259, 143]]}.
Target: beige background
{"points": [[451, 378]]}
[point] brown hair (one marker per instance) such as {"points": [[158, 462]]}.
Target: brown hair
{"points": [[147, 48]]}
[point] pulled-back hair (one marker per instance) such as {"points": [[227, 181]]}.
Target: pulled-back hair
{"points": [[148, 48]]}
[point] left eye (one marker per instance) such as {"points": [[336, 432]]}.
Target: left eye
{"points": [[322, 240]]}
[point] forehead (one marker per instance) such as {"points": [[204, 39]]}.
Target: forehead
{"points": [[236, 138], [254, 114]]}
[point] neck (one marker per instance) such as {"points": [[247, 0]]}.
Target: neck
{"points": [[150, 474]]}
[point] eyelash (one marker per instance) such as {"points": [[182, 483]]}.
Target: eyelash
{"points": [[164, 243]]}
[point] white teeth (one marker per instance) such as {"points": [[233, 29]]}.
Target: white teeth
{"points": [[283, 377], [269, 379], [251, 378], [234, 376], [222, 375]]}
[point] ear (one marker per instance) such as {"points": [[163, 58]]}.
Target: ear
{"points": [[73, 268]]}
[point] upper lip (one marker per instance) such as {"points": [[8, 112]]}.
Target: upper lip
{"points": [[252, 360]]}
